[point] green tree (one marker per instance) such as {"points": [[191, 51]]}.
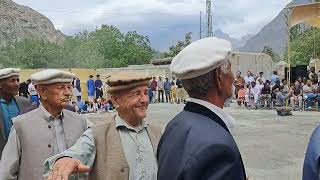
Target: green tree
{"points": [[303, 47], [175, 49]]}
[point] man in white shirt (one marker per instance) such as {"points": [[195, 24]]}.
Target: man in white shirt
{"points": [[249, 78], [256, 91], [260, 77]]}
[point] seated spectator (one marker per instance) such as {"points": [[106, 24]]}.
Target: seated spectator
{"points": [[284, 82], [248, 95], [241, 95], [256, 90], [275, 88], [281, 95], [80, 104], [296, 95], [309, 93], [265, 95]]}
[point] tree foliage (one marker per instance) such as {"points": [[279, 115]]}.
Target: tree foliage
{"points": [[102, 48], [175, 49], [304, 46]]}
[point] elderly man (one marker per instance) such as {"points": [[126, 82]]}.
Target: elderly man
{"points": [[43, 132], [126, 143], [10, 104], [197, 143]]}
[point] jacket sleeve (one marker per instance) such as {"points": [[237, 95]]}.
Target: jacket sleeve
{"points": [[215, 162], [311, 166], [84, 150], [10, 160]]}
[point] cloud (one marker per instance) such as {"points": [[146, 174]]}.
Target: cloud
{"points": [[164, 21]]}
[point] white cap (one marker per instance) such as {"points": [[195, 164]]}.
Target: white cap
{"points": [[51, 76], [200, 57], [9, 72]]}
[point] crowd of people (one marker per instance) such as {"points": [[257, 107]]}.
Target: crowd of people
{"points": [[171, 90], [260, 92], [49, 140]]}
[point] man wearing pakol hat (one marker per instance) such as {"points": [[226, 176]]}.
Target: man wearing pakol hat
{"points": [[10, 104], [126, 143], [197, 143], [43, 132]]}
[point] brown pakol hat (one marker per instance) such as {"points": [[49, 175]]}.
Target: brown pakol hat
{"points": [[124, 80]]}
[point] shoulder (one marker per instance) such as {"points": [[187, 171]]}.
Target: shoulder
{"points": [[193, 126], [22, 100], [68, 113], [26, 116], [104, 125]]}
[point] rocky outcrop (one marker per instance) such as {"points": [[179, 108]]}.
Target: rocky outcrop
{"points": [[18, 22]]}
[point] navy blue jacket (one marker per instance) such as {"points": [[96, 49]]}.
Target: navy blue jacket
{"points": [[311, 167], [197, 145]]}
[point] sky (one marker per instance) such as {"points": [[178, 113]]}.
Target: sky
{"points": [[163, 21]]}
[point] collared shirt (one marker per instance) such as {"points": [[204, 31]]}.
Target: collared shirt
{"points": [[226, 118], [61, 144], [160, 85], [248, 79], [9, 166], [138, 150], [9, 111]]}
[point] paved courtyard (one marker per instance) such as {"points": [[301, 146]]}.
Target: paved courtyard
{"points": [[272, 147]]}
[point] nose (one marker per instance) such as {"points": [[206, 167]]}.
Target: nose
{"points": [[67, 91], [144, 98]]}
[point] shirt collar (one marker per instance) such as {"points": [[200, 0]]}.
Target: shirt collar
{"points": [[226, 118], [122, 123], [48, 115], [4, 101]]}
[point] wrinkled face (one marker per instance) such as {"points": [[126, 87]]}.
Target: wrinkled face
{"points": [[226, 80], [132, 104], [10, 86], [55, 95]]}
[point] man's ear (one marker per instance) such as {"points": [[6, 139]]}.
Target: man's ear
{"points": [[41, 91], [115, 101], [218, 78]]}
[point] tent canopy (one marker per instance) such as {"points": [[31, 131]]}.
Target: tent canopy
{"points": [[307, 13]]}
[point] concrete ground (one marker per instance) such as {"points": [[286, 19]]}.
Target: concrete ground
{"points": [[272, 147]]}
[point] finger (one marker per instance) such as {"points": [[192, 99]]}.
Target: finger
{"points": [[69, 168], [83, 169]]}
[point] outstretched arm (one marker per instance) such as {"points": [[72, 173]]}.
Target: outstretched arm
{"points": [[77, 159]]}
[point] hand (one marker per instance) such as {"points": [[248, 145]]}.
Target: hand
{"points": [[65, 167]]}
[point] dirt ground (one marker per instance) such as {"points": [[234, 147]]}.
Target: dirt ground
{"points": [[272, 147]]}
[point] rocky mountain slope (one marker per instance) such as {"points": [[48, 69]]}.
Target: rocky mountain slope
{"points": [[273, 34], [18, 22]]}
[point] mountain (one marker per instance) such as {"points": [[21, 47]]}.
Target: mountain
{"points": [[273, 34], [18, 22], [236, 43]]}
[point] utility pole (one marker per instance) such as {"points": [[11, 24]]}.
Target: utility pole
{"points": [[209, 18], [200, 25]]}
